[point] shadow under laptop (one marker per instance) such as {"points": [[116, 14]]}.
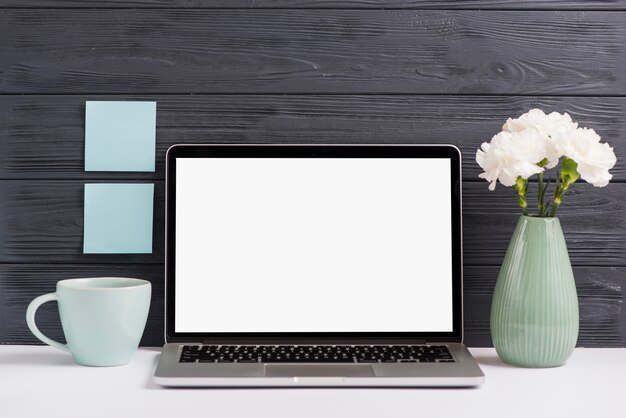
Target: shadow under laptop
{"points": [[316, 388], [491, 360], [150, 381]]}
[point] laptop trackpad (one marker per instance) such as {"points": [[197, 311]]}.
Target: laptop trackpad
{"points": [[321, 370]]}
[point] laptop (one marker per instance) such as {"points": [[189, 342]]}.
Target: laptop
{"points": [[314, 265]]}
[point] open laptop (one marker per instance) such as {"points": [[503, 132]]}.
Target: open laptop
{"points": [[314, 265]]}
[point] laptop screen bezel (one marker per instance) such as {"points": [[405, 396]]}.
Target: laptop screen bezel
{"points": [[314, 151]]}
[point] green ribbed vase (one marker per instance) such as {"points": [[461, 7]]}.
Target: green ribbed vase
{"points": [[534, 312]]}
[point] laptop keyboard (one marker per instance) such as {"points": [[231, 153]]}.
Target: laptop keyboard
{"points": [[315, 354]]}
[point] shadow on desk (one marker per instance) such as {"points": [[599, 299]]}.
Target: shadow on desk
{"points": [[491, 360], [150, 381], [51, 358], [43, 359]]}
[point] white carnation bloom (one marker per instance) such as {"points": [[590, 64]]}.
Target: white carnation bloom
{"points": [[594, 158], [548, 125], [510, 155], [536, 118]]}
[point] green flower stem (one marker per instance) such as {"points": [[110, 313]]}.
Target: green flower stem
{"points": [[557, 196], [557, 199], [540, 194], [521, 186], [542, 189]]}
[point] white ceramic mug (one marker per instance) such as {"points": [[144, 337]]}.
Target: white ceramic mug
{"points": [[103, 318]]}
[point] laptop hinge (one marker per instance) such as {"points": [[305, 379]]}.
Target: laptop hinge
{"points": [[412, 341]]}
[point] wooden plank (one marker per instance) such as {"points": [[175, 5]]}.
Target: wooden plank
{"points": [[312, 4], [593, 221], [21, 283], [53, 147], [42, 221], [312, 51], [601, 294], [601, 303]]}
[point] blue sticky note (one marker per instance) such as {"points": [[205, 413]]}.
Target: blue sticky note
{"points": [[118, 218], [120, 136]]}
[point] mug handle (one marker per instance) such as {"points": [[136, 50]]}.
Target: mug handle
{"points": [[30, 320]]}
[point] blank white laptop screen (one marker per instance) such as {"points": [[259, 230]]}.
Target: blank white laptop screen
{"points": [[313, 245]]}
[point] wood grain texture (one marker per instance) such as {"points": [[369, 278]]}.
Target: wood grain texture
{"points": [[298, 75], [601, 293], [42, 221], [593, 221], [327, 4], [601, 301], [53, 147], [312, 51], [19, 284]]}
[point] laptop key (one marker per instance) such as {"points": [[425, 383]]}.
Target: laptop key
{"points": [[315, 354]]}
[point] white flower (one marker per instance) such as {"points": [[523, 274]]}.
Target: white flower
{"points": [[535, 142], [536, 118], [510, 155], [594, 158], [548, 125]]}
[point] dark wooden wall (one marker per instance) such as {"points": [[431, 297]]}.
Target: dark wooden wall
{"points": [[303, 71]]}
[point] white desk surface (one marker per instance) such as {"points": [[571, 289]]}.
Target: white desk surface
{"points": [[40, 381]]}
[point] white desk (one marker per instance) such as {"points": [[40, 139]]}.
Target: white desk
{"points": [[44, 382]]}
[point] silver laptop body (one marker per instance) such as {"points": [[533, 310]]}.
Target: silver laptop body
{"points": [[314, 265]]}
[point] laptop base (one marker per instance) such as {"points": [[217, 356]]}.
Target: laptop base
{"points": [[464, 372]]}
